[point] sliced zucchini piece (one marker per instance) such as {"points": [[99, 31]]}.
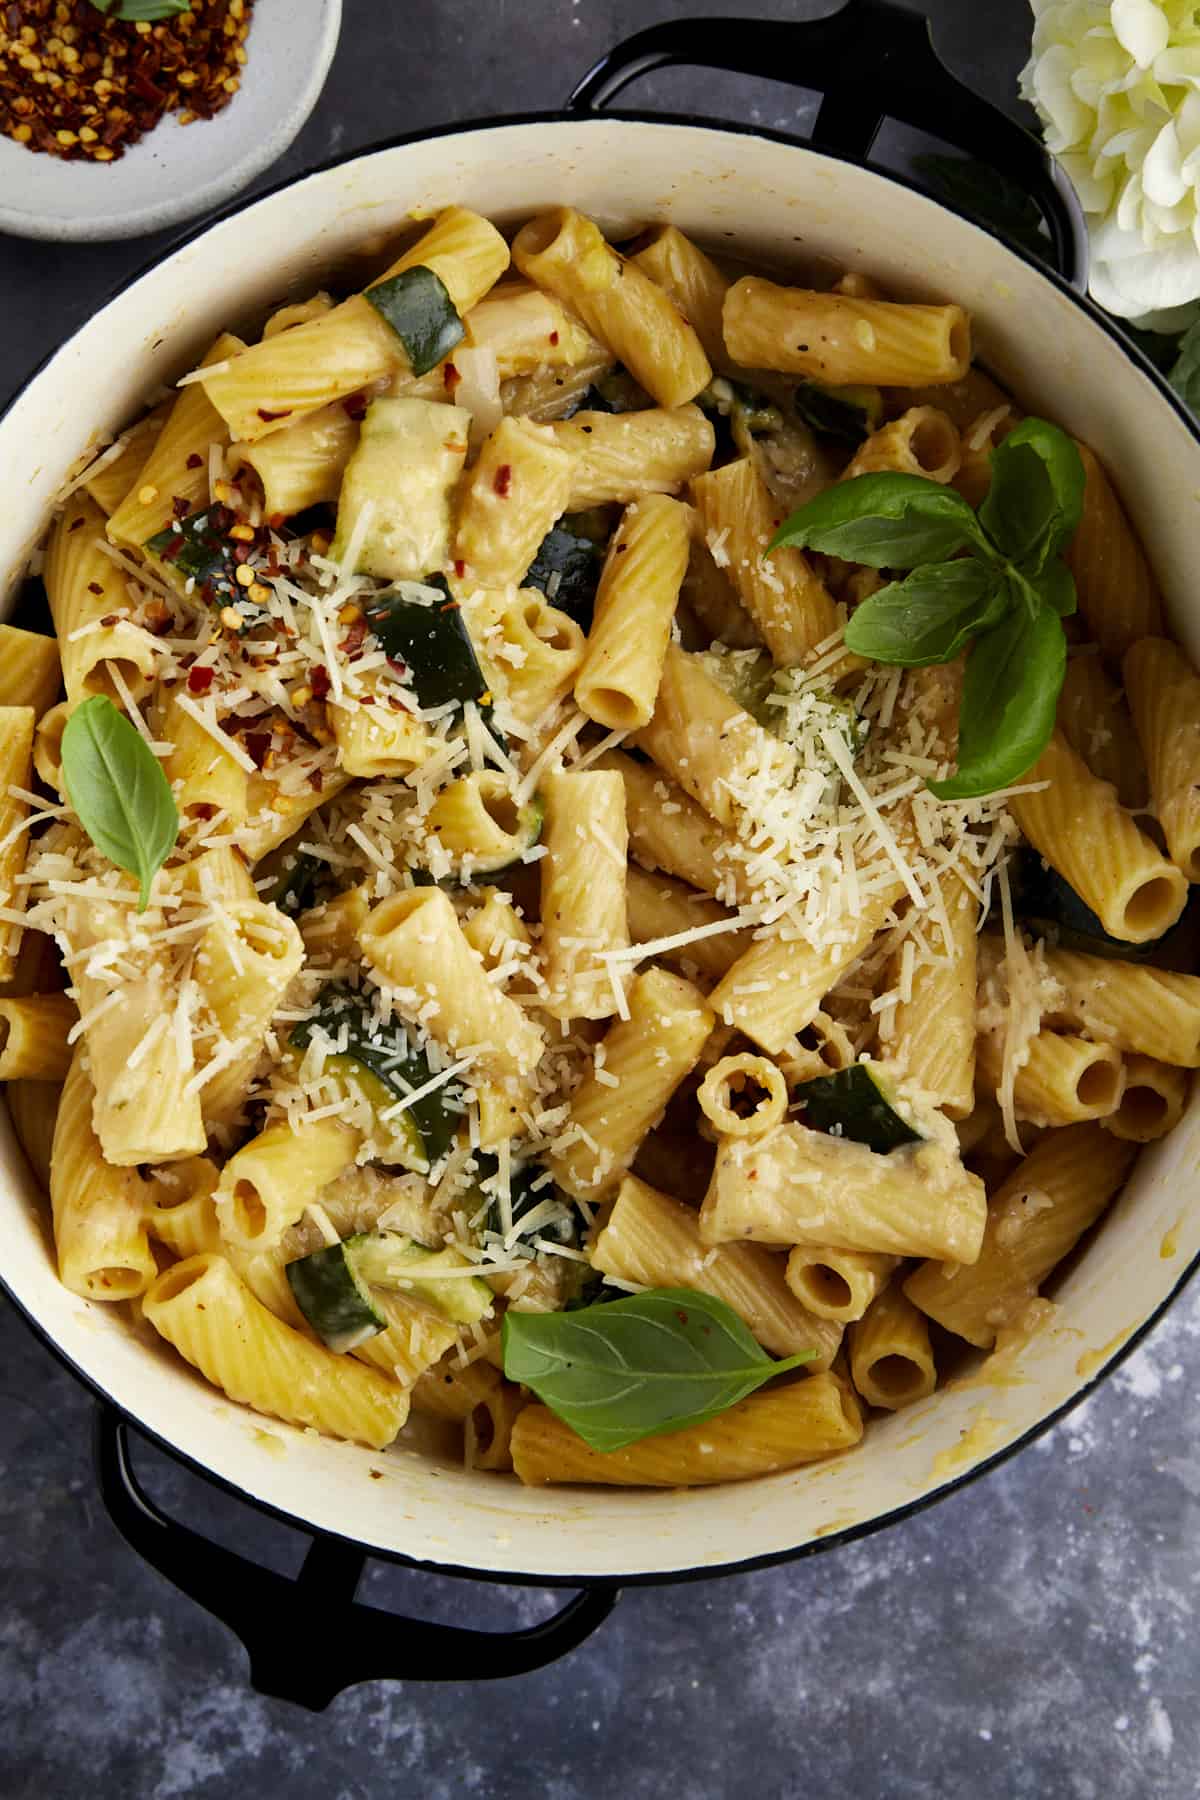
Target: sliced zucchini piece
{"points": [[296, 880], [395, 497], [388, 1059], [855, 1103], [1049, 908], [200, 549], [387, 1259], [422, 627], [843, 415], [418, 307], [528, 1188], [567, 570], [334, 1297]]}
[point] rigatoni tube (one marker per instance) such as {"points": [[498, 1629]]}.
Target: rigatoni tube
{"points": [[781, 1427], [1077, 824], [565, 252], [1035, 1218], [653, 1240], [782, 592], [215, 1322], [583, 893], [638, 1065], [413, 941], [833, 338], [635, 604], [796, 1186]]}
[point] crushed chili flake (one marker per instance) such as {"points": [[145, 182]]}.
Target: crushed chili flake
{"points": [[195, 460], [450, 377], [257, 744], [94, 587], [199, 680], [83, 86], [263, 413], [318, 680], [502, 480], [355, 406]]}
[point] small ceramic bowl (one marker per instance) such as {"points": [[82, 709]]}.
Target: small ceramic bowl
{"points": [[179, 171]]}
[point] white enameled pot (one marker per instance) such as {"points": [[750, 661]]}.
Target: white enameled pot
{"points": [[772, 200]]}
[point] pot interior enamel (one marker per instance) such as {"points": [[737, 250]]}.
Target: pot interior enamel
{"points": [[774, 202]]}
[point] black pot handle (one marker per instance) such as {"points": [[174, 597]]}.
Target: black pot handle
{"points": [[871, 61], [308, 1637]]}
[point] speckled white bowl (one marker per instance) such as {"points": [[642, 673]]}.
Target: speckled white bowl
{"points": [[179, 171]]}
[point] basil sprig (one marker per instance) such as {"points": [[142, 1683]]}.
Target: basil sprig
{"points": [[117, 787], [993, 580], [145, 11], [629, 1369]]}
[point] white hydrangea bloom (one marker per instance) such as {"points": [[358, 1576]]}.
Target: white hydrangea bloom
{"points": [[1117, 86]]}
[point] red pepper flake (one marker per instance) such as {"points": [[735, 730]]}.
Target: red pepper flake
{"points": [[195, 460], [681, 1316], [399, 667], [367, 699], [156, 617], [94, 587], [355, 406], [450, 377], [502, 480], [316, 780], [110, 619], [353, 639], [180, 507], [318, 681], [460, 568], [199, 680], [203, 809], [554, 337], [270, 417], [257, 744]]}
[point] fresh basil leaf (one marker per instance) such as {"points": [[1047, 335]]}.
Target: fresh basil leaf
{"points": [[1055, 587], [632, 1368], [987, 195], [885, 521], [1010, 692], [135, 11], [117, 787], [1184, 373], [1033, 505], [419, 310], [930, 615]]}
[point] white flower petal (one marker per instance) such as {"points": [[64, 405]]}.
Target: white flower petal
{"points": [[1162, 175], [1149, 281], [1141, 28], [1066, 120]]}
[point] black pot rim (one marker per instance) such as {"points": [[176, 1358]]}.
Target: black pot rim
{"points": [[955, 1484]]}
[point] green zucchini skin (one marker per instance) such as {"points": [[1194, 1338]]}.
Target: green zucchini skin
{"points": [[419, 310], [527, 1188], [576, 561], [200, 549], [856, 1102], [1049, 908], [387, 1259], [845, 415], [394, 1061], [432, 642], [334, 1298]]}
